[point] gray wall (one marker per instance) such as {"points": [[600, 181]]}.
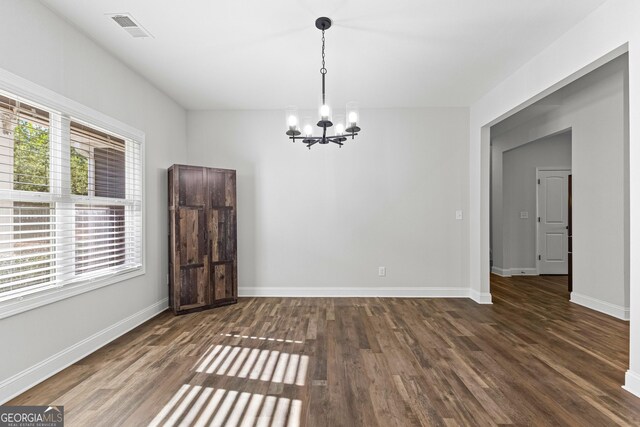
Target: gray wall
{"points": [[519, 194], [322, 221], [594, 108], [53, 54]]}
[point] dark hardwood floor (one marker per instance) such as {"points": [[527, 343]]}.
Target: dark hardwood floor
{"points": [[531, 358]]}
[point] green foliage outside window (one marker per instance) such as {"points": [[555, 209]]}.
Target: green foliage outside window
{"points": [[31, 161], [79, 173], [30, 157]]}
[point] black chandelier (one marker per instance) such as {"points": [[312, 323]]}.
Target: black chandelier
{"points": [[341, 132]]}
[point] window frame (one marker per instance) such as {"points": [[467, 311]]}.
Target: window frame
{"points": [[61, 106]]}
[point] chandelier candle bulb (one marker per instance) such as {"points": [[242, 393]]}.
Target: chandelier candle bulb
{"points": [[352, 119], [291, 116], [338, 121], [293, 122], [337, 133], [308, 130], [325, 111]]}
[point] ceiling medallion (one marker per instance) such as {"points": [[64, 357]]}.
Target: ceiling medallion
{"points": [[341, 130]]}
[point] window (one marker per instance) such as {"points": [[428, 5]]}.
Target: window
{"points": [[70, 200]]}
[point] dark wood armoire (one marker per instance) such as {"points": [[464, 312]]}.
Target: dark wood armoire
{"points": [[202, 238]]}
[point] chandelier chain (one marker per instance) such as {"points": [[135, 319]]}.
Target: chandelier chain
{"points": [[323, 70]]}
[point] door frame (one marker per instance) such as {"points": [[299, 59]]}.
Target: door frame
{"points": [[538, 170]]}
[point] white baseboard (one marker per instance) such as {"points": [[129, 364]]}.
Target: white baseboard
{"points": [[632, 383], [22, 381], [508, 272], [480, 297], [601, 306], [524, 272], [503, 272], [324, 292]]}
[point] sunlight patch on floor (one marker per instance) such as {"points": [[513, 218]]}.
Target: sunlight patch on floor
{"points": [[248, 337], [255, 364], [194, 405]]}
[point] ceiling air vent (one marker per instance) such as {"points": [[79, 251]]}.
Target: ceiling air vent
{"points": [[127, 22]]}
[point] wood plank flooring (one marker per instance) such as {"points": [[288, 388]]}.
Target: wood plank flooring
{"points": [[531, 358]]}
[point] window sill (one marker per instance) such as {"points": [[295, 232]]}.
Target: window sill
{"points": [[18, 305]]}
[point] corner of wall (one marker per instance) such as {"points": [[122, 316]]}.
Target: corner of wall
{"points": [[632, 382], [480, 297]]}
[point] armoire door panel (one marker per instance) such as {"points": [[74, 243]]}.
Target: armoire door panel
{"points": [[192, 236], [213, 235], [193, 286], [192, 187], [230, 189], [223, 281], [217, 187], [222, 234], [229, 235]]}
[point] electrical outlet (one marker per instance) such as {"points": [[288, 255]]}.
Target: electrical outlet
{"points": [[382, 271], [458, 215]]}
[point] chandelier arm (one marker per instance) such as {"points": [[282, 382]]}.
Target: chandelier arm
{"points": [[318, 138], [308, 138]]}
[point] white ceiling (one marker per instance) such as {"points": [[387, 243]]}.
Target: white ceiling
{"points": [[259, 54]]}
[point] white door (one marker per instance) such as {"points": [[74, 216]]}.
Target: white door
{"points": [[553, 206]]}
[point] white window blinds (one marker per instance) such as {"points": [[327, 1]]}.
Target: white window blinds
{"points": [[70, 200]]}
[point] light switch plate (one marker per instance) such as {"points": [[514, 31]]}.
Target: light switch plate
{"points": [[524, 215], [458, 214]]}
